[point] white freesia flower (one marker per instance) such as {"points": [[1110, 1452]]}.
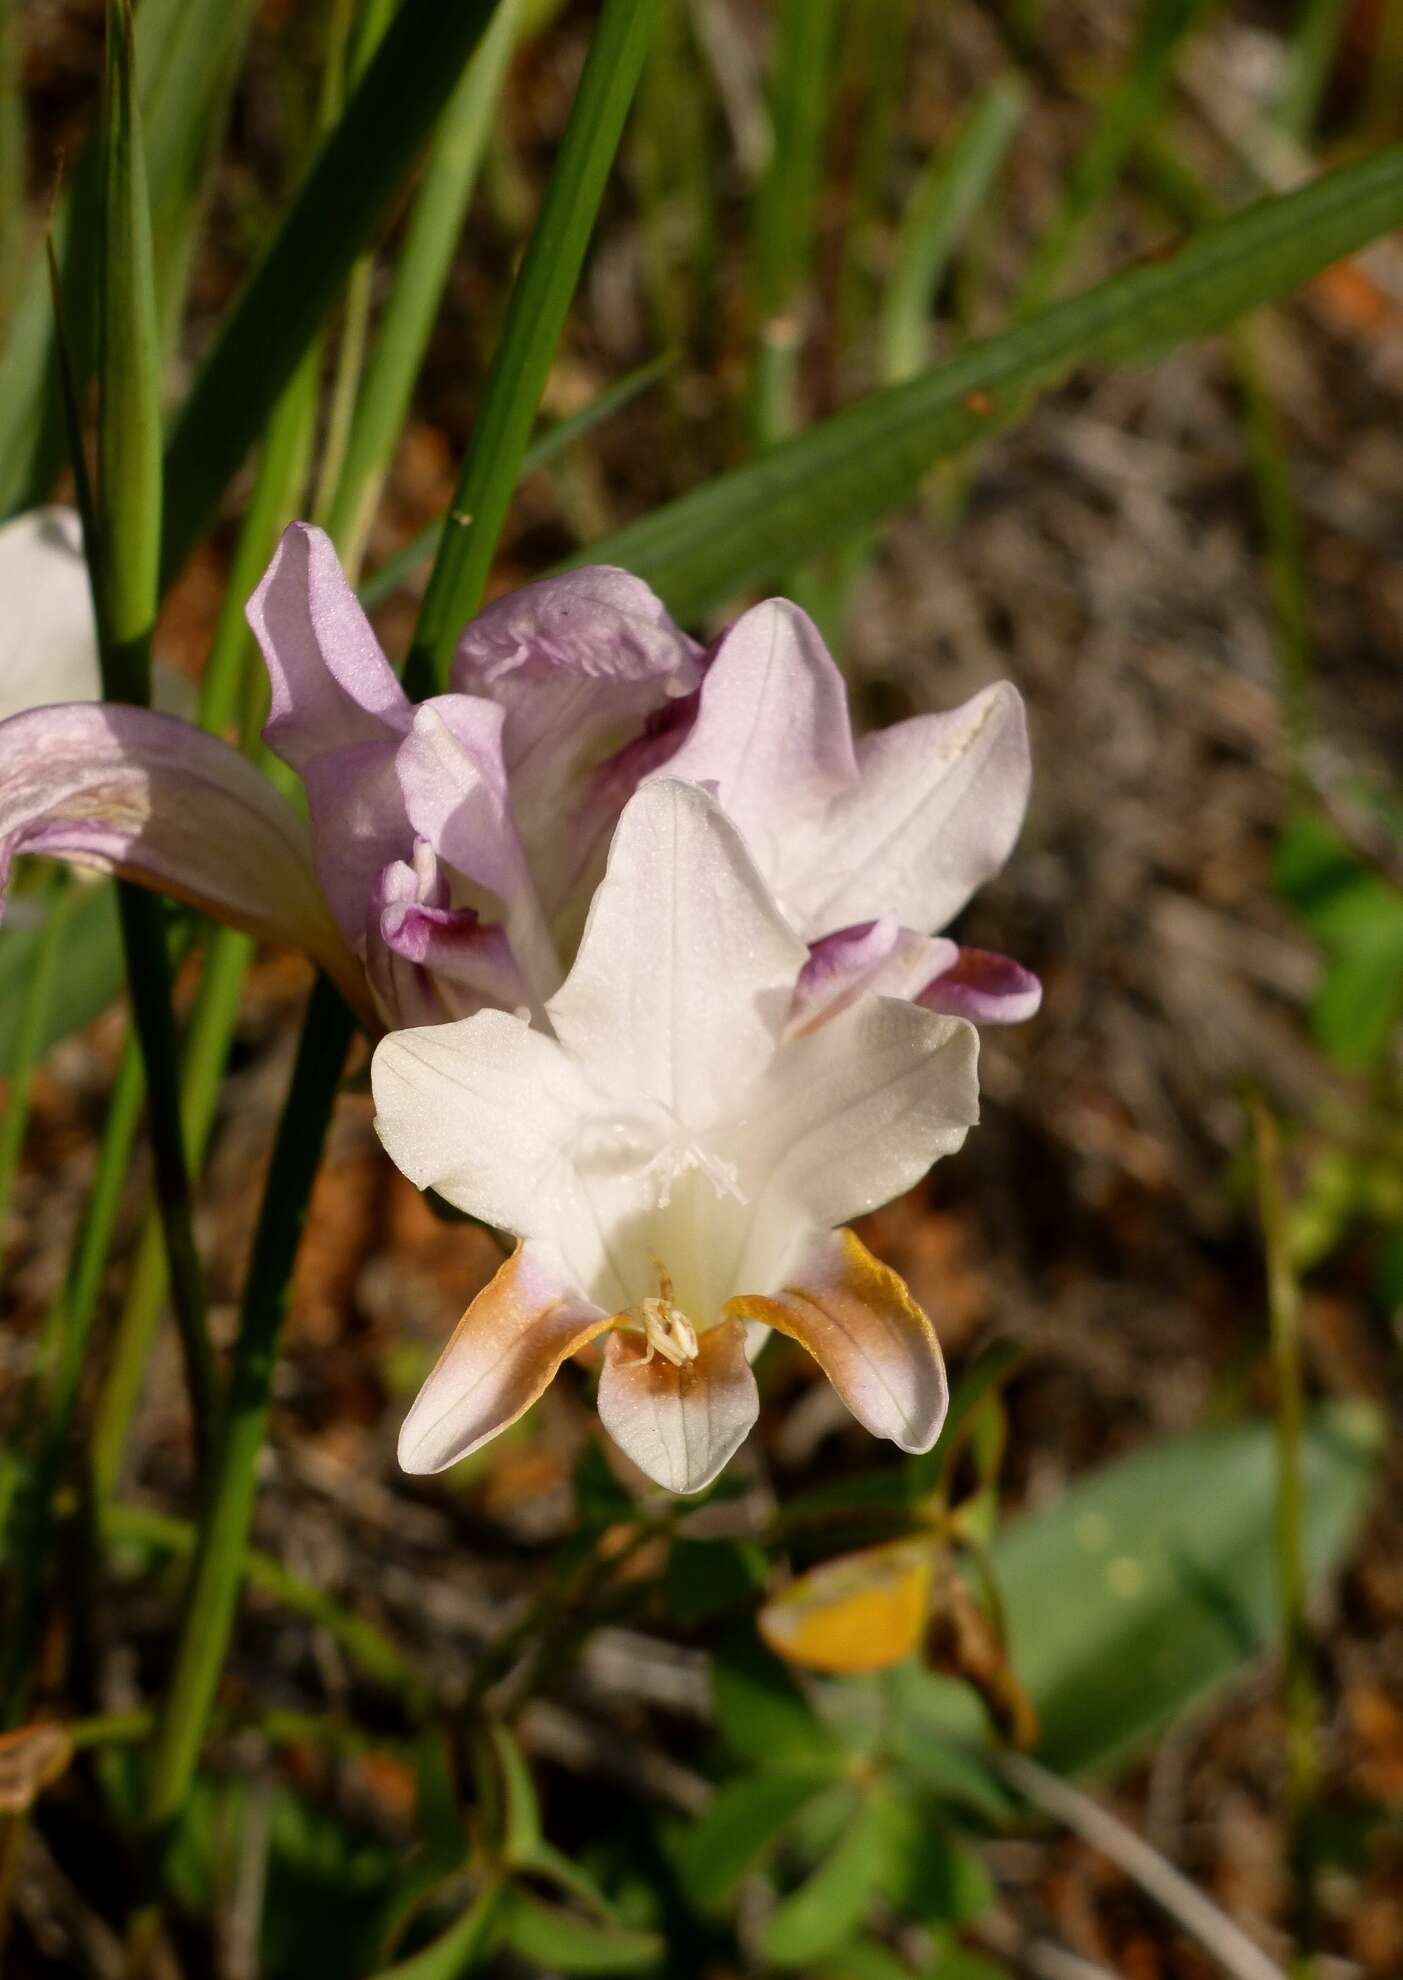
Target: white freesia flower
{"points": [[674, 1156], [48, 643]]}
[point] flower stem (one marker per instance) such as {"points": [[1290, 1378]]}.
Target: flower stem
{"points": [[213, 1590]]}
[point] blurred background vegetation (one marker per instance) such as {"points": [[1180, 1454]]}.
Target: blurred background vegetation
{"points": [[520, 1719]]}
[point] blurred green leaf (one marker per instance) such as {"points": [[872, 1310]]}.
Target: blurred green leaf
{"points": [[743, 1820], [87, 973], [1356, 915], [926, 1872], [736, 531], [706, 1578], [1151, 1581], [556, 1941], [343, 200], [764, 1717], [831, 1903]]}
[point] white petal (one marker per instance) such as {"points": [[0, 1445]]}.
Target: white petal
{"points": [[851, 1115], [936, 812], [772, 737], [484, 1111], [500, 1357], [686, 970], [48, 641], [872, 1341], [679, 1425]]}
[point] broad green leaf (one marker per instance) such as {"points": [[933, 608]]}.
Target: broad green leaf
{"points": [[926, 1872], [828, 1907], [556, 1941], [345, 196], [742, 1821], [540, 301], [706, 1578], [1152, 1580], [764, 1717], [736, 531], [461, 1949]]}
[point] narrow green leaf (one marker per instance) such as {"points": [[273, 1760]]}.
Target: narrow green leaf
{"points": [[1132, 107], [87, 976], [787, 208], [440, 208], [536, 314], [734, 532], [13, 204], [743, 1819], [829, 1907], [458, 1951], [58, 900], [213, 1590], [551, 1940], [541, 453], [1314, 44], [947, 195], [343, 200]]}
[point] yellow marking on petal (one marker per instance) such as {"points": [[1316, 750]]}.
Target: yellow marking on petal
{"points": [[863, 1612]]}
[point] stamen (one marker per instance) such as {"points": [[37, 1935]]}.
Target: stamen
{"points": [[667, 1332]]}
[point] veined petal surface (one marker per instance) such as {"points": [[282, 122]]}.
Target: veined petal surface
{"points": [[502, 1355], [155, 800], [867, 1334], [679, 1424], [686, 970]]}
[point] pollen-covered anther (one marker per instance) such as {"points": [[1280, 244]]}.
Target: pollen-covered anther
{"points": [[667, 1332]]}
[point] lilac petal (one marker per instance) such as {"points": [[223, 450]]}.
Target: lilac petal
{"points": [[358, 825], [453, 782], [986, 988], [331, 684], [935, 813], [772, 735], [429, 963], [871, 957], [148, 797], [573, 662]]}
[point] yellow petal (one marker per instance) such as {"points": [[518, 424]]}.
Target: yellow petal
{"points": [[862, 1612]]}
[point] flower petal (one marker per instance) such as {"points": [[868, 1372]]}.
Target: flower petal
{"points": [[331, 684], [937, 809], [679, 1425], [686, 969], [454, 784], [867, 1334], [772, 736], [986, 988], [501, 1356], [48, 641], [852, 1114], [880, 957], [574, 662], [428, 962], [485, 1111], [149, 797]]}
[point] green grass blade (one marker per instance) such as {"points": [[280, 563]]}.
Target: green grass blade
{"points": [[536, 314], [440, 209], [13, 216], [875, 55], [541, 453], [59, 897], [1314, 44], [740, 529], [212, 1595], [947, 195], [1132, 108], [346, 195], [128, 539], [786, 213], [188, 54]]}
